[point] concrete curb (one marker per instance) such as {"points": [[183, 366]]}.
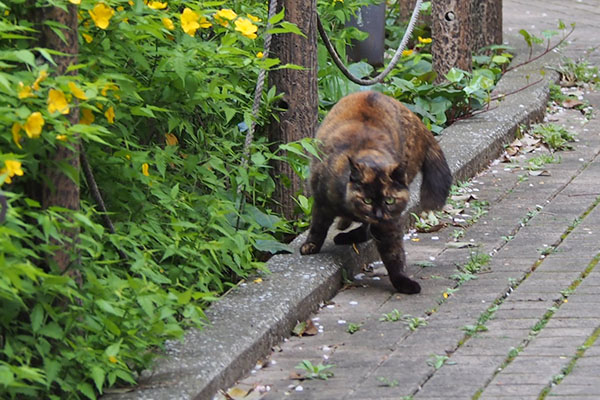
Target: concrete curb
{"points": [[246, 323]]}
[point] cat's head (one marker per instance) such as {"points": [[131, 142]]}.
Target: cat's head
{"points": [[376, 191]]}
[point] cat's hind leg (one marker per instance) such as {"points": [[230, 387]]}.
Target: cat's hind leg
{"points": [[357, 235], [388, 239], [321, 221]]}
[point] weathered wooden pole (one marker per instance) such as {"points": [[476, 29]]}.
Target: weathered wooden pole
{"points": [[451, 33], [486, 23], [60, 189], [299, 88]]}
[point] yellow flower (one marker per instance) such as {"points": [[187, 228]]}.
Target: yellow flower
{"points": [[120, 8], [101, 14], [189, 21], [77, 92], [87, 116], [204, 23], [259, 54], [25, 91], [41, 76], [112, 359], [87, 38], [224, 15], [57, 102], [61, 138], [246, 27], [407, 52], [145, 169], [157, 5], [110, 114], [445, 295], [12, 168], [33, 125], [335, 1], [426, 40], [107, 87], [168, 23], [75, 2], [16, 129], [171, 139], [131, 3], [253, 18]]}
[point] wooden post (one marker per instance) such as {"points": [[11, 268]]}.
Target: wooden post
{"points": [[451, 33], [60, 190], [486, 23], [299, 88]]}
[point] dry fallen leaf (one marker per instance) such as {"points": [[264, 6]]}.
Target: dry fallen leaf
{"points": [[296, 376], [571, 103], [305, 328], [460, 245], [539, 173]]}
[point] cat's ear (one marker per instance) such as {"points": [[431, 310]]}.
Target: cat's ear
{"points": [[398, 175], [355, 173]]}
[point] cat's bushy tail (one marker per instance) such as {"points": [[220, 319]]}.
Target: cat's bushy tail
{"points": [[437, 179]]}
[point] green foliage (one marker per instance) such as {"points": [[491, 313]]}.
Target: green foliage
{"points": [[554, 136], [163, 113], [353, 328], [392, 316], [318, 371]]}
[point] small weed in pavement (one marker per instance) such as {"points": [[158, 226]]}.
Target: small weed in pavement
{"points": [[507, 238], [392, 316], [415, 322], [554, 136], [436, 361], [318, 371], [458, 234], [476, 262], [353, 328], [536, 163], [387, 382]]}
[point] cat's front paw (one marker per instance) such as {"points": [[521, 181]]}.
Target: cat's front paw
{"points": [[309, 248], [406, 285]]}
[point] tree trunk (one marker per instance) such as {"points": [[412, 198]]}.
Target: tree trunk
{"points": [[60, 190], [451, 33], [486, 23], [300, 96]]}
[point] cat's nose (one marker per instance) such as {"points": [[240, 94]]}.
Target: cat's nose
{"points": [[379, 214]]}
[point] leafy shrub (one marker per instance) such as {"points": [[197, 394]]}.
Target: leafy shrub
{"points": [[163, 104]]}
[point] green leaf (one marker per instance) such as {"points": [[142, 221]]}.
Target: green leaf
{"points": [[87, 389], [98, 375], [455, 75], [113, 349], [277, 17], [37, 317], [107, 307], [272, 246], [25, 56], [6, 376], [52, 330]]}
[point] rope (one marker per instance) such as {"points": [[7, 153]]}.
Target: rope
{"points": [[383, 74], [258, 89]]}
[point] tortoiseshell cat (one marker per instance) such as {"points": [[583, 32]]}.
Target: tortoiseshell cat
{"points": [[373, 147]]}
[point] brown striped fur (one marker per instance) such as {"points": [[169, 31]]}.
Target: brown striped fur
{"points": [[373, 147]]}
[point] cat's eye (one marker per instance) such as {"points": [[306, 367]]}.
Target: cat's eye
{"points": [[367, 200], [390, 200]]}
